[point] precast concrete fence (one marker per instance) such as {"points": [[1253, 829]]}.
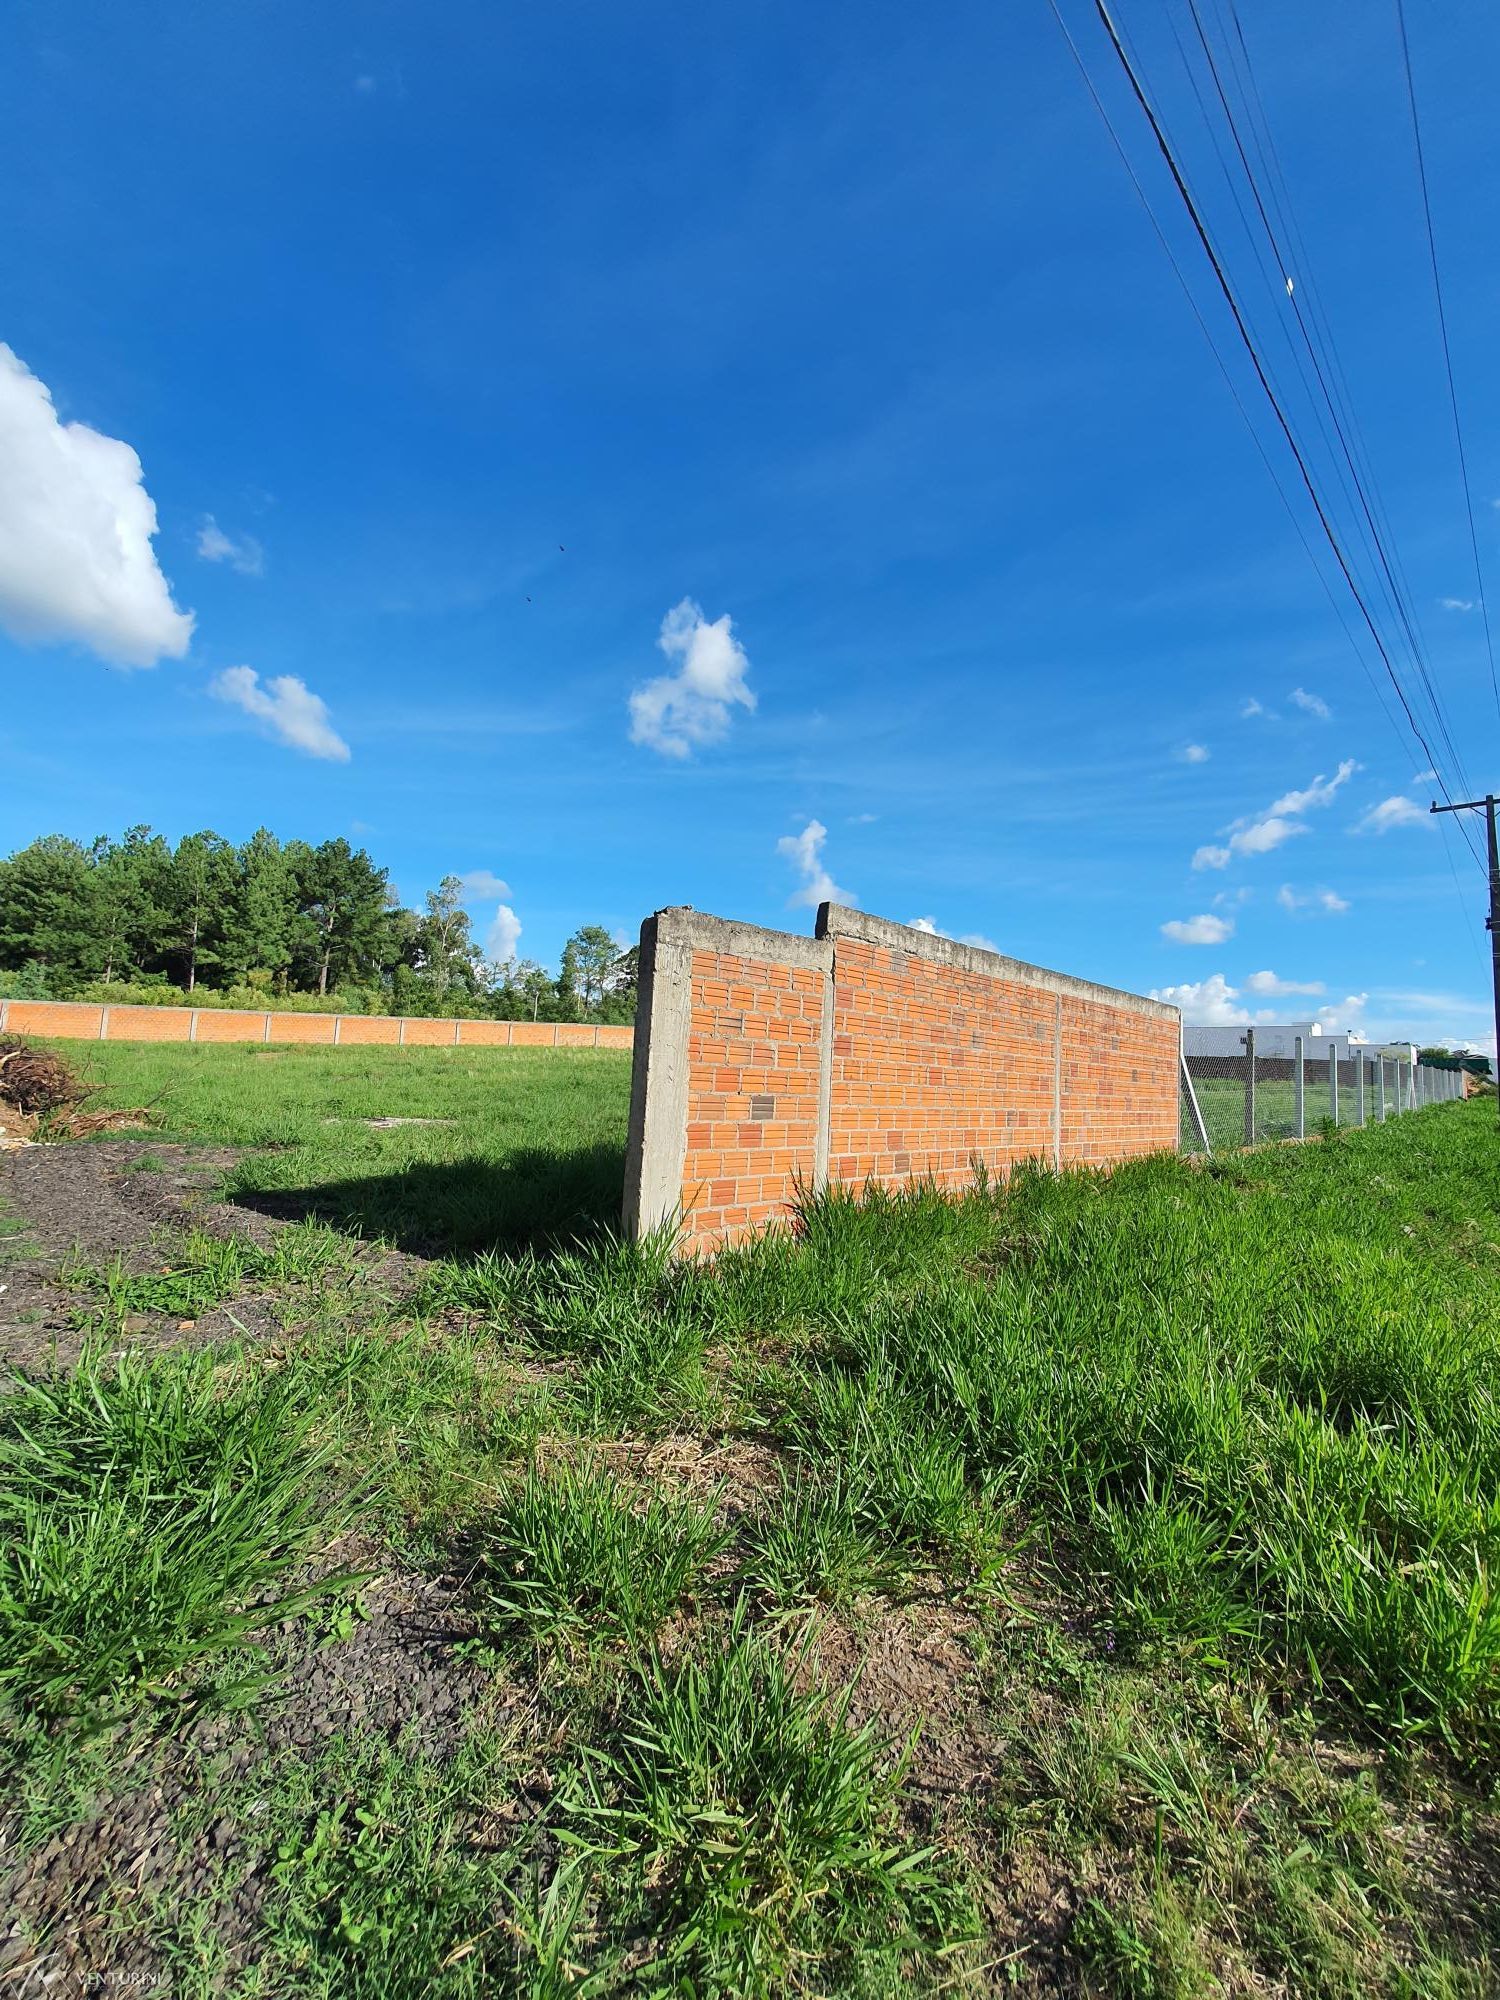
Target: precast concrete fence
{"points": [[768, 1063], [73, 1020], [1247, 1099]]}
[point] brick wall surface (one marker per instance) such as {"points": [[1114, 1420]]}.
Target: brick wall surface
{"points": [[69, 1020], [870, 1052], [753, 1082]]}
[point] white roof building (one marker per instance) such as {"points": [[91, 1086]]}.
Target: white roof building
{"points": [[1279, 1039]]}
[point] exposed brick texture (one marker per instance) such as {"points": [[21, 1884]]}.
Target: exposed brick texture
{"points": [[753, 1091], [870, 1053], [69, 1020]]}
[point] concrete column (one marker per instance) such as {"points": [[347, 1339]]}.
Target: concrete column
{"points": [[104, 1024], [1298, 1087]]}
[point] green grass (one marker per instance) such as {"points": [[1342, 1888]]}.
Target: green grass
{"points": [[523, 1144], [1166, 1503], [151, 1516]]}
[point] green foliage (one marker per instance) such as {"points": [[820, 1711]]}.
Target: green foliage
{"points": [[566, 1560], [151, 1514], [747, 1832], [135, 920]]}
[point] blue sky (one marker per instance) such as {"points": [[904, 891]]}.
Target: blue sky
{"points": [[469, 354]]}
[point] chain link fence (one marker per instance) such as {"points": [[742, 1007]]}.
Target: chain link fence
{"points": [[1245, 1100]]}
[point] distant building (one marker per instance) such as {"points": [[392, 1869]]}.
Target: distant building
{"points": [[1277, 1041]]}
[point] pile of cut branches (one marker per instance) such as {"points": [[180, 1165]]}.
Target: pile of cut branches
{"points": [[41, 1094]]}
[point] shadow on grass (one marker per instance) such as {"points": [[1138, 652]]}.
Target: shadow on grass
{"points": [[535, 1199]]}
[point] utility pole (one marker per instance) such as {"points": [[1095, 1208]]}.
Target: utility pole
{"points": [[1486, 805]]}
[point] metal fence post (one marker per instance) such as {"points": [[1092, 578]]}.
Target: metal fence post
{"points": [[1359, 1087], [1333, 1081], [1248, 1038], [1194, 1109], [1380, 1069], [1297, 1088]]}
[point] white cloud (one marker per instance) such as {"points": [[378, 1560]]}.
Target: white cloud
{"points": [[1319, 793], [1205, 1003], [1326, 900], [76, 522], [1280, 822], [244, 554], [1252, 707], [293, 713], [805, 852], [503, 936], [1459, 603], [1427, 777], [1397, 811], [483, 885], [1313, 704], [1269, 984], [1198, 930], [863, 819], [975, 938], [1262, 835], [1349, 1013], [1193, 753], [674, 712]]}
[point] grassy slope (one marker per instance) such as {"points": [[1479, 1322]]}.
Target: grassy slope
{"points": [[1195, 1467]]}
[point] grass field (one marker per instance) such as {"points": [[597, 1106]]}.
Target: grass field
{"points": [[511, 1145], [1084, 1586]]}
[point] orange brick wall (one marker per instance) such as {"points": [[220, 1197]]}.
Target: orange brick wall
{"points": [[871, 1052], [753, 1080], [933, 1068], [68, 1020]]}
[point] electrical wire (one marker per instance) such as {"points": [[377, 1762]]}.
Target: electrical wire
{"points": [[1442, 316], [1223, 366], [1205, 239], [1396, 589]]}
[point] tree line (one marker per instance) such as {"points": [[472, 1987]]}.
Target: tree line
{"points": [[137, 918]]}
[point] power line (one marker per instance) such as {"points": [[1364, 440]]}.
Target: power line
{"points": [[1396, 589], [1223, 366], [1206, 241], [1377, 533], [1437, 289]]}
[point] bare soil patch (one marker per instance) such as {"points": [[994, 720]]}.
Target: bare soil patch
{"points": [[151, 1844]]}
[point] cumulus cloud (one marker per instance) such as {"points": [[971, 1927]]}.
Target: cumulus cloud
{"points": [[805, 852], [1205, 1003], [242, 552], [1198, 930], [1348, 1014], [1394, 812], [676, 712], [1269, 983], [76, 524], [1311, 704], [1251, 707], [287, 706], [483, 885], [1327, 900], [503, 936], [1193, 753], [1427, 777], [1281, 821], [1459, 603], [975, 938]]}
